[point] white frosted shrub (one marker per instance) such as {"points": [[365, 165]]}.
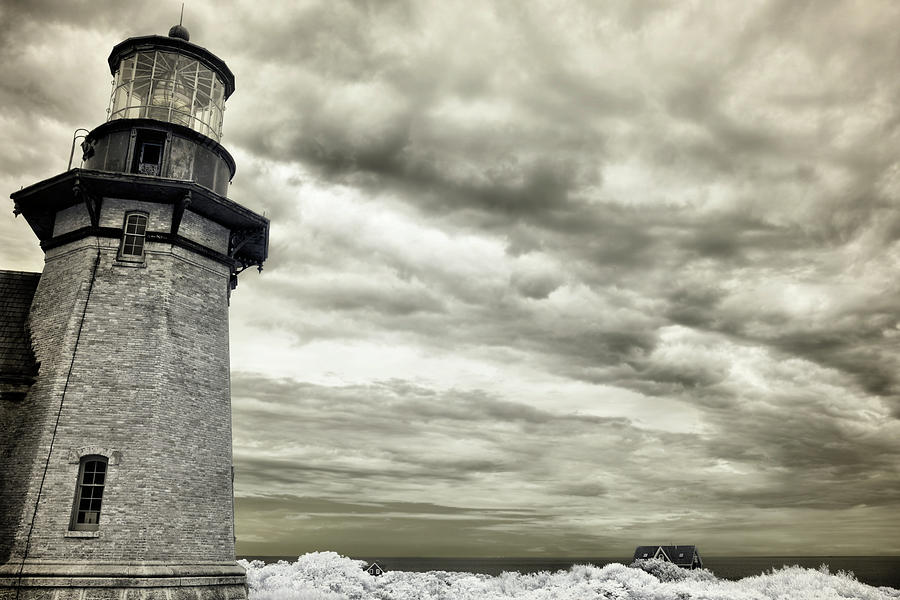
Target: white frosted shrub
{"points": [[329, 576], [314, 576], [666, 571], [816, 584]]}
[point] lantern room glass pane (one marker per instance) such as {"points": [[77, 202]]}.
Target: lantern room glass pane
{"points": [[167, 86]]}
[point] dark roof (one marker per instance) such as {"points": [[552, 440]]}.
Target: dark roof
{"points": [[17, 363], [671, 551]]}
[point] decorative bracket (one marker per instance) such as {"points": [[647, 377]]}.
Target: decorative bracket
{"points": [[239, 238], [93, 203], [178, 211]]}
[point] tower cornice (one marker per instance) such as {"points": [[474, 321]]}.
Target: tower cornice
{"points": [[40, 202]]}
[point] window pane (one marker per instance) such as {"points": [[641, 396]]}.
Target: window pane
{"points": [[88, 495], [132, 245], [150, 153]]}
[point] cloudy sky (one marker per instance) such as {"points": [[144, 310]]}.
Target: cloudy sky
{"points": [[545, 278]]}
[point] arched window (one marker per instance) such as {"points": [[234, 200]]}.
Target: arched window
{"points": [[133, 238], [89, 493]]}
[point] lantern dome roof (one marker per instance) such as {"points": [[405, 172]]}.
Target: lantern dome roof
{"points": [[180, 31]]}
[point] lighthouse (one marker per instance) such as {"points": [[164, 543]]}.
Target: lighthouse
{"points": [[116, 477]]}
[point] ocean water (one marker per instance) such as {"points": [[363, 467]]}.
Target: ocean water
{"points": [[872, 570]]}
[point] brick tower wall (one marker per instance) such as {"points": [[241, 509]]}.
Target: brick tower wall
{"points": [[52, 314], [19, 432], [149, 389]]}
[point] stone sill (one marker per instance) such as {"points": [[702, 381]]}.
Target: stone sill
{"points": [[82, 534], [134, 264]]}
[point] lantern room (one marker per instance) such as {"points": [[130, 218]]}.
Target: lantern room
{"points": [[165, 112], [170, 79]]}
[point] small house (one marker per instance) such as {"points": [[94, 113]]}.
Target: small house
{"points": [[686, 557], [374, 569]]}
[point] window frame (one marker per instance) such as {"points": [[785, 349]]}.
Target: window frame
{"points": [[142, 139], [80, 485], [141, 153], [125, 235]]}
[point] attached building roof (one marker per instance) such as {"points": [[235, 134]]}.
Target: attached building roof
{"points": [[680, 555], [18, 367]]}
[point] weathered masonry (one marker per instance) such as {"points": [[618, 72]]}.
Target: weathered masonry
{"points": [[115, 407]]}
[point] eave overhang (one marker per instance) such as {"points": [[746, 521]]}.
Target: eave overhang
{"points": [[40, 202]]}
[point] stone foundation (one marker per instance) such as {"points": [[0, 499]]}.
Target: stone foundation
{"points": [[45, 581]]}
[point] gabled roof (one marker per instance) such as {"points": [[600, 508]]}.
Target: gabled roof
{"points": [[18, 367], [676, 554]]}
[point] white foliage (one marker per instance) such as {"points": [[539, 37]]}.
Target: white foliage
{"points": [[329, 576]]}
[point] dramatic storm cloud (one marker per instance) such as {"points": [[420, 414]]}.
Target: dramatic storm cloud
{"points": [[545, 277]]}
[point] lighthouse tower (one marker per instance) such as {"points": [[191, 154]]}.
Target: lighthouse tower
{"points": [[115, 417]]}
